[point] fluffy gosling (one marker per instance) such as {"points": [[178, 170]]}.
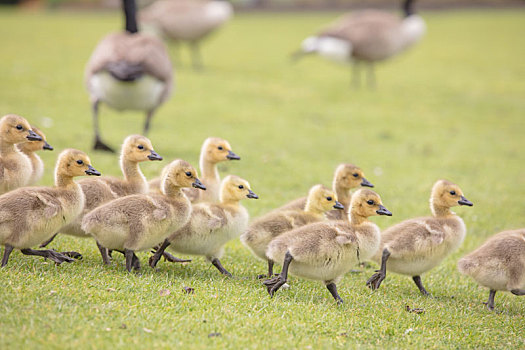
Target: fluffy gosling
{"points": [[325, 251], [30, 215], [15, 167], [212, 225], [415, 246], [141, 221], [499, 264], [320, 200]]}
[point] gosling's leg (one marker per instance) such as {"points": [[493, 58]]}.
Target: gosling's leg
{"points": [[374, 282], [104, 253], [130, 256], [46, 243], [99, 145], [217, 263], [153, 260], [518, 292], [275, 283], [270, 271], [419, 284], [7, 251], [490, 302], [135, 262], [333, 290], [49, 254]]}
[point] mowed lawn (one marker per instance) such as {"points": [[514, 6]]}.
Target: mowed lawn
{"points": [[453, 107]]}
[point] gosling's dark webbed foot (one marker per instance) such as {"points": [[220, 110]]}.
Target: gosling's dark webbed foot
{"points": [[74, 255], [171, 258], [273, 284], [56, 257], [419, 284], [332, 288], [101, 146], [374, 282]]}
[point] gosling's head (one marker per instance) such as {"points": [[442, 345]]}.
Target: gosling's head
{"points": [[137, 148], [322, 199], [350, 176], [34, 146], [367, 203], [180, 173], [217, 150], [446, 194], [16, 129], [72, 162], [234, 188]]}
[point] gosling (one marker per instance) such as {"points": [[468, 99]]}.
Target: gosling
{"points": [[499, 264], [346, 178], [320, 200], [30, 149], [325, 251], [415, 246], [135, 149], [15, 167], [140, 221], [212, 225], [214, 150], [30, 215]]}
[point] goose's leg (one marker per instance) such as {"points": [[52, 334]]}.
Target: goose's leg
{"points": [[490, 302], [7, 251], [196, 57], [270, 271], [217, 263], [374, 282], [356, 77], [147, 123], [130, 255], [49, 254], [104, 254], [419, 284], [371, 76], [99, 145], [46, 243], [333, 290], [518, 292], [275, 283]]}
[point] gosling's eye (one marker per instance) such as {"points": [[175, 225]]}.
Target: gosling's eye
{"points": [[329, 198], [188, 173], [80, 162], [19, 127], [355, 174], [241, 187], [220, 148], [371, 202], [140, 147], [453, 193]]}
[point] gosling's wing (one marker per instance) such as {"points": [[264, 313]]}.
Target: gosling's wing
{"points": [[29, 202]]}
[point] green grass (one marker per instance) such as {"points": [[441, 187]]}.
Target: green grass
{"points": [[453, 108]]}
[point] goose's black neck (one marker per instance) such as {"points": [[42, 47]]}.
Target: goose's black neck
{"points": [[130, 11], [408, 8]]}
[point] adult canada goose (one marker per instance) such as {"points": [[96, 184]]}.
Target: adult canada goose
{"points": [[128, 70], [15, 167], [264, 229], [346, 177], [415, 246], [499, 264], [30, 215], [30, 149], [325, 251], [214, 150], [97, 191], [187, 21], [366, 36], [212, 225], [141, 221]]}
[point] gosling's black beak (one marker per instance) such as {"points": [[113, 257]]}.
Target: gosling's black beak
{"points": [[252, 195], [464, 201], [338, 205], [47, 146], [198, 184], [383, 211], [232, 156], [154, 156], [92, 171], [33, 136], [366, 183]]}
